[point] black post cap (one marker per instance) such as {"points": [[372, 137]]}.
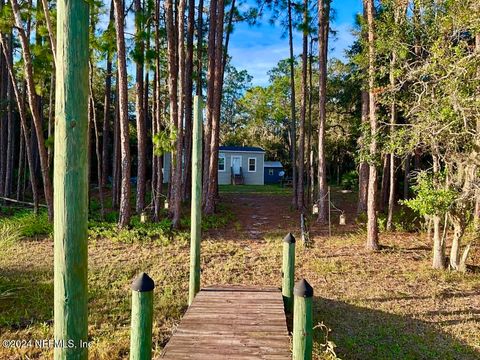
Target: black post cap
{"points": [[303, 289], [143, 283], [289, 239]]}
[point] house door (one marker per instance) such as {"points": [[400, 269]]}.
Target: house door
{"points": [[236, 164]]}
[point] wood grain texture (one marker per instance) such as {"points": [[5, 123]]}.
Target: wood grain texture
{"points": [[232, 323], [71, 181], [142, 320], [196, 217]]}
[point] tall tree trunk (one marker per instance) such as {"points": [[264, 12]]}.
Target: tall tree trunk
{"points": [[173, 35], [139, 107], [157, 175], [186, 182], [116, 172], [293, 125], [93, 120], [363, 169], [9, 164], [32, 99], [309, 149], [51, 118], [323, 30], [210, 98], [393, 121], [179, 163], [21, 164], [106, 107], [217, 102], [385, 182], [303, 114], [372, 225], [399, 13], [122, 84]]}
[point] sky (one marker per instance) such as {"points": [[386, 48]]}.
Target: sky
{"points": [[259, 48]]}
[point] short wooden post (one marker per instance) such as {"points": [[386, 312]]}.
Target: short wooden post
{"points": [[196, 210], [142, 318], [288, 271], [303, 321]]}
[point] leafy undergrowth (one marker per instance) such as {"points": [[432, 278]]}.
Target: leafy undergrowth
{"points": [[24, 224]]}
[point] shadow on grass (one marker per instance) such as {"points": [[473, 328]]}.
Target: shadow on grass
{"points": [[363, 333], [26, 297]]}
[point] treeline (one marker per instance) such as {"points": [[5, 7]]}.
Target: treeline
{"points": [[403, 111], [147, 60]]}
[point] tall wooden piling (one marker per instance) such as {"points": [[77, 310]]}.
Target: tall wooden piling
{"points": [[142, 318], [196, 212], [70, 181], [288, 271], [303, 321]]}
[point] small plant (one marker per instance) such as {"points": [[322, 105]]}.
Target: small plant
{"points": [[9, 235], [327, 347]]}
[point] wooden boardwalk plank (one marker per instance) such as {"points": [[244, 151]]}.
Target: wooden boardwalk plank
{"points": [[232, 323]]}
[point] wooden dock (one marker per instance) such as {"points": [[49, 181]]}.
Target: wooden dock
{"points": [[232, 323]]}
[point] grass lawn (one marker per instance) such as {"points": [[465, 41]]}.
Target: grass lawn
{"points": [[259, 189], [384, 305]]}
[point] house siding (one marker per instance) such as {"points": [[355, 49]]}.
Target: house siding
{"points": [[224, 177], [250, 178]]}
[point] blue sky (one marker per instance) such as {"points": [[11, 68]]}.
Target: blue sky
{"points": [[258, 48]]}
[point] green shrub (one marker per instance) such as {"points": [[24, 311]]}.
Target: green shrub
{"points": [[29, 224], [404, 219], [349, 180]]}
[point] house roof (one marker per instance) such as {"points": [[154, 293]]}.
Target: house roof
{"points": [[273, 164], [241, 148]]}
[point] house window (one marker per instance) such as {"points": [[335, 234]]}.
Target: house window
{"points": [[270, 172], [252, 164], [221, 162]]}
